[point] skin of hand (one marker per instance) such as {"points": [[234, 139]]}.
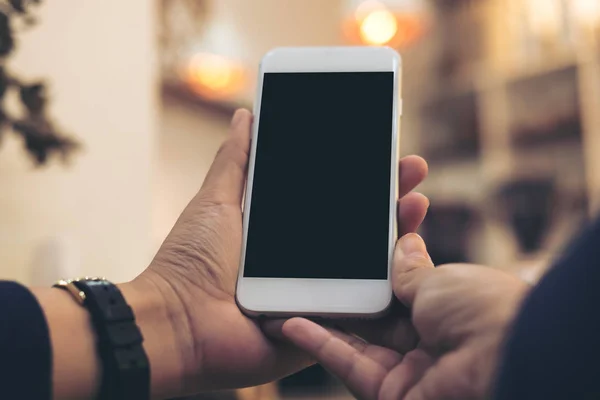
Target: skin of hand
{"points": [[461, 314], [197, 268], [195, 336]]}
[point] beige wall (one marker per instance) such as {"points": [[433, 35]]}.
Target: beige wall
{"points": [[188, 141], [98, 56]]}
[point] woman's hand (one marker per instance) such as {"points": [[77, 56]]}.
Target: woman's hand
{"points": [[195, 272], [461, 314]]}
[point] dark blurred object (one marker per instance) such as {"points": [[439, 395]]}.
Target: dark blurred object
{"points": [[7, 42], [449, 5], [21, 6], [446, 232], [450, 129], [545, 108], [18, 5], [221, 395], [528, 205], [41, 139], [554, 129], [33, 98], [462, 40], [314, 379]]}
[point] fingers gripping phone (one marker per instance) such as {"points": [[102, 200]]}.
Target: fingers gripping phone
{"points": [[320, 205]]}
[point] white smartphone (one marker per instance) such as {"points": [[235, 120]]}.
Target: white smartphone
{"points": [[319, 222]]}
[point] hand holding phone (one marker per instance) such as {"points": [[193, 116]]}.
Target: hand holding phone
{"points": [[320, 206], [193, 278]]}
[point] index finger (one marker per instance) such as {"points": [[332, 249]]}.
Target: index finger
{"points": [[360, 373], [412, 266]]}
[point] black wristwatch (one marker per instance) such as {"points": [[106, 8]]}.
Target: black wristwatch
{"points": [[125, 366]]}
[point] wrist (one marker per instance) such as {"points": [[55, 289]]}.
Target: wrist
{"points": [[76, 371], [162, 342]]}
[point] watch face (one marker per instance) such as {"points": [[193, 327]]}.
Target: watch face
{"points": [[70, 285], [89, 278], [64, 282]]}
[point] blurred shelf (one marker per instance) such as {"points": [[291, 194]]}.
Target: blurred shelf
{"points": [[455, 181], [535, 70], [180, 93], [320, 396], [436, 91], [560, 132], [450, 129], [487, 118], [461, 151], [453, 4]]}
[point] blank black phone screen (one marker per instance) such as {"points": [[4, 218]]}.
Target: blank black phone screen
{"points": [[320, 199]]}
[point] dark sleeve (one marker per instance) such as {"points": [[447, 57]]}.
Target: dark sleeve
{"points": [[554, 349], [25, 358]]}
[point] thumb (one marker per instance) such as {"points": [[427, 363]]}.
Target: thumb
{"points": [[412, 266], [224, 182]]}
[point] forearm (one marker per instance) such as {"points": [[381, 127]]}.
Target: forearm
{"points": [[77, 370]]}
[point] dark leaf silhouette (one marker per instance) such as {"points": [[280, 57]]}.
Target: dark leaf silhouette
{"points": [[41, 140], [33, 98], [7, 42], [40, 136], [18, 5], [3, 82]]}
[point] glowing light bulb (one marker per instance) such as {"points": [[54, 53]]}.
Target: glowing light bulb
{"points": [[213, 75], [394, 23], [378, 27], [212, 71]]}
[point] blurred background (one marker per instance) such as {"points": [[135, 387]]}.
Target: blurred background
{"points": [[113, 110]]}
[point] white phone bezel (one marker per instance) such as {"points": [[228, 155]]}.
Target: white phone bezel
{"points": [[272, 297]]}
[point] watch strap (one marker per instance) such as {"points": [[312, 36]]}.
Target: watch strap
{"points": [[125, 365]]}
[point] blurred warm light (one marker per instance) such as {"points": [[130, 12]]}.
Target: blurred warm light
{"points": [[545, 16], [213, 76], [397, 23], [367, 7], [587, 12], [378, 28]]}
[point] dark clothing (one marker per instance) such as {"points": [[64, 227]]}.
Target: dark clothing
{"points": [[554, 349], [25, 357]]}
